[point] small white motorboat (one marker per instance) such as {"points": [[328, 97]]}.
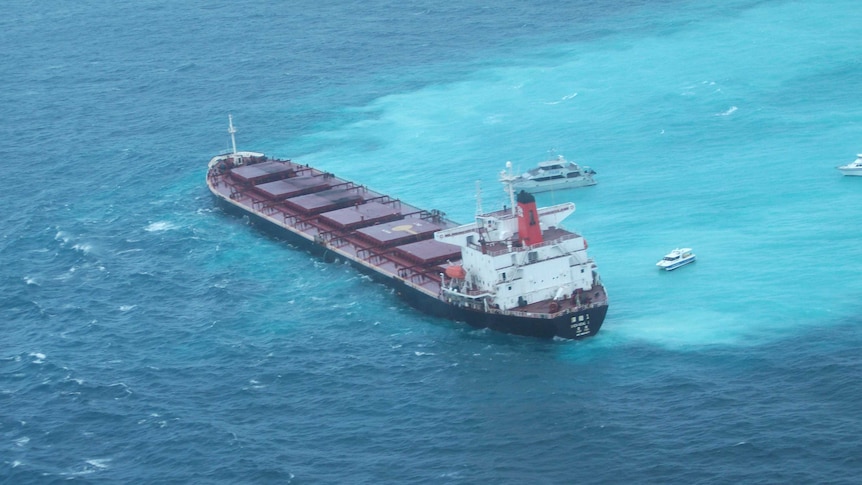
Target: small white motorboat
{"points": [[852, 168], [676, 258], [549, 175]]}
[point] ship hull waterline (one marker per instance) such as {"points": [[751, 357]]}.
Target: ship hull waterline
{"points": [[573, 325]]}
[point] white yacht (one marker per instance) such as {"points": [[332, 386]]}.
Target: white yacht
{"points": [[676, 258], [852, 168], [549, 175]]}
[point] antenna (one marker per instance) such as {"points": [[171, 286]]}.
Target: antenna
{"points": [[232, 132], [479, 211]]}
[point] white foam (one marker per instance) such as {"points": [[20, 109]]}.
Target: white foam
{"points": [[160, 226], [83, 247], [125, 388], [77, 381], [564, 98], [100, 463], [22, 441], [125, 308], [729, 111]]}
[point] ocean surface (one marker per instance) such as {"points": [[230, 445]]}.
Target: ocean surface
{"points": [[147, 337]]}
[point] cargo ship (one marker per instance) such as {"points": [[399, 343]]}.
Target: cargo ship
{"points": [[515, 270]]}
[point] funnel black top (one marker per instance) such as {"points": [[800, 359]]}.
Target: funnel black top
{"points": [[525, 197]]}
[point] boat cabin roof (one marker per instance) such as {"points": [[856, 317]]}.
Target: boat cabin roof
{"points": [[676, 253], [550, 165]]}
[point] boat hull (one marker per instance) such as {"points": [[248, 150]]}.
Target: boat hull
{"points": [[538, 187], [568, 325], [854, 171], [678, 264]]}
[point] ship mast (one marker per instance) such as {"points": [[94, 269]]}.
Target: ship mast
{"points": [[232, 132], [509, 187]]}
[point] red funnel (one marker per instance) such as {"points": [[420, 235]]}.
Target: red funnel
{"points": [[528, 219]]}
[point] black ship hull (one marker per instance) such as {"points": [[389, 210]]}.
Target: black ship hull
{"points": [[570, 325]]}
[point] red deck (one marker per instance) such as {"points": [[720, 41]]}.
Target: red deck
{"points": [[361, 215], [293, 186], [394, 237], [429, 252], [399, 232], [264, 171], [326, 200]]}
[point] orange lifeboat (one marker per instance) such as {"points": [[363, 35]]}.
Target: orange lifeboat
{"points": [[456, 271]]}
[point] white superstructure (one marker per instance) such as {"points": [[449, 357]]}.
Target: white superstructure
{"points": [[511, 259]]}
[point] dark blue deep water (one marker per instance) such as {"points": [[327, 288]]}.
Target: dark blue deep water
{"points": [[149, 338]]}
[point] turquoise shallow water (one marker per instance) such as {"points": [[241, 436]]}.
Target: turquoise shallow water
{"points": [[149, 337]]}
